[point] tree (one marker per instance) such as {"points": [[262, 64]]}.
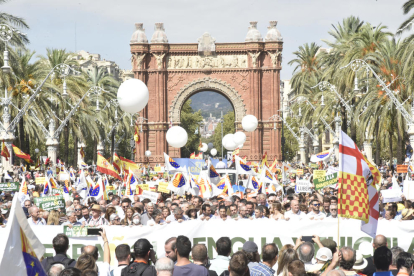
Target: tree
{"points": [[190, 121], [228, 128]]}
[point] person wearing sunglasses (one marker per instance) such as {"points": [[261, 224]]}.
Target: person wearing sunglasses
{"points": [[315, 214]]}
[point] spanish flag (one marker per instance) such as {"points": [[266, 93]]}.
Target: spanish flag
{"points": [[117, 163], [129, 164], [273, 166], [137, 138], [200, 146], [193, 156], [264, 160], [199, 156], [22, 155], [105, 167], [4, 151], [82, 153]]}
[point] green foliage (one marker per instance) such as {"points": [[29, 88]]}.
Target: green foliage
{"points": [[291, 145], [211, 103], [190, 122], [228, 127]]}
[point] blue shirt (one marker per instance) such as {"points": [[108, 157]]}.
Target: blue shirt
{"points": [[383, 273], [261, 270]]}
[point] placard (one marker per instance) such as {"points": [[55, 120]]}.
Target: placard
{"points": [[40, 180], [144, 187], [390, 195], [402, 168], [303, 186], [48, 203], [57, 191], [408, 189], [10, 186], [75, 231], [319, 173], [299, 171], [314, 165], [163, 187], [150, 195], [323, 182]]}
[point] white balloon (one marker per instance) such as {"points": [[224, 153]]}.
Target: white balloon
{"points": [[213, 152], [204, 147], [224, 141], [133, 96], [239, 138], [147, 153], [249, 123], [230, 145], [177, 137], [241, 146]]}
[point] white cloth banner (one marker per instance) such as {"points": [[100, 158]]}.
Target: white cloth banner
{"points": [[260, 231]]}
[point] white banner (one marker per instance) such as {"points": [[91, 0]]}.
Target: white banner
{"points": [[260, 231], [303, 186]]}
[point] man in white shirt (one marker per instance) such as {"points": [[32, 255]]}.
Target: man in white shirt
{"points": [[333, 209], [177, 216], [206, 213], [34, 217], [294, 213], [221, 262], [220, 164], [316, 214], [123, 255]]}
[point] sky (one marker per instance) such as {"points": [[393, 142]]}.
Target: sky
{"points": [[106, 26]]}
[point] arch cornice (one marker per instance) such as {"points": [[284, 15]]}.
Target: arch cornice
{"points": [[207, 84]]}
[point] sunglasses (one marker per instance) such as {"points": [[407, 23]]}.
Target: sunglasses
{"points": [[78, 209], [117, 219], [334, 209], [316, 205]]}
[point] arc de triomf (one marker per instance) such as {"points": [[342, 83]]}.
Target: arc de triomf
{"points": [[246, 73]]}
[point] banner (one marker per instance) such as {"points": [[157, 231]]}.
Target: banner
{"points": [[40, 180], [10, 186], [48, 203], [323, 182], [303, 186], [163, 187], [75, 231], [319, 173], [205, 232]]}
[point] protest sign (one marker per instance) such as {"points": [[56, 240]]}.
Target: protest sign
{"points": [[303, 186], [144, 187], [40, 180], [75, 231], [150, 195], [325, 181], [314, 165], [57, 191], [163, 187], [390, 195], [299, 171], [402, 168], [10, 187], [319, 173], [48, 203], [408, 189]]}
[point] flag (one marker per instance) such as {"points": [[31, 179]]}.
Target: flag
{"points": [[84, 165], [20, 253], [241, 167], [66, 187], [23, 187], [47, 190], [47, 161], [204, 187], [82, 153], [97, 191], [22, 155], [81, 185], [178, 184], [192, 156], [38, 163], [199, 156], [264, 160], [129, 165], [253, 183], [266, 175], [213, 174], [357, 195], [53, 182], [200, 145], [130, 184], [171, 165], [104, 184], [105, 167], [117, 163], [137, 137], [71, 174], [235, 152], [322, 156], [4, 151], [178, 180], [224, 186], [273, 166]]}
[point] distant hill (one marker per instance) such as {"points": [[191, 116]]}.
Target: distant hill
{"points": [[210, 102]]}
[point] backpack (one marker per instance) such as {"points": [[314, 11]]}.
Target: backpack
{"points": [[135, 269], [66, 262]]}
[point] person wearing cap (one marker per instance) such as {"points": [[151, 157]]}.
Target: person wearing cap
{"points": [[323, 256], [143, 252], [251, 250], [294, 213], [114, 219], [96, 219]]}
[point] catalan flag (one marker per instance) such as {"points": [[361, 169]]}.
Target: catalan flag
{"points": [[178, 180], [273, 166], [200, 146], [4, 151], [204, 187], [38, 163], [82, 153], [103, 166], [53, 182], [22, 155], [20, 253], [199, 156]]}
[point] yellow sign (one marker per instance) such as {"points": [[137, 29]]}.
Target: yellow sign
{"points": [[110, 187], [40, 180], [157, 169], [319, 174], [144, 187], [299, 171], [163, 187]]}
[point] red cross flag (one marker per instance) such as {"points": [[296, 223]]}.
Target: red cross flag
{"points": [[358, 198]]}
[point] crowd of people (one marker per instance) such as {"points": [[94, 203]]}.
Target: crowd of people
{"points": [[182, 258]]}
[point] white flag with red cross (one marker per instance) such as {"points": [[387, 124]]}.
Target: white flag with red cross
{"points": [[357, 195]]}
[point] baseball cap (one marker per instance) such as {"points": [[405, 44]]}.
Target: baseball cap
{"points": [[142, 246], [324, 254], [250, 246]]}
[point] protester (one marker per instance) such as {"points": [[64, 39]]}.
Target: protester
{"points": [[251, 250], [60, 244], [199, 256], [404, 264], [221, 262], [143, 253], [164, 267], [296, 268], [183, 265], [269, 259], [170, 249], [382, 261], [34, 217], [123, 256], [286, 256], [96, 219]]}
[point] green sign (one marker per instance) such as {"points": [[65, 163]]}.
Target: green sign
{"points": [[323, 182], [10, 186], [75, 231], [57, 191], [48, 203]]}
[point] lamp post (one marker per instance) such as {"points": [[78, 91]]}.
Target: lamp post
{"points": [[283, 119], [132, 145], [222, 123], [6, 33]]}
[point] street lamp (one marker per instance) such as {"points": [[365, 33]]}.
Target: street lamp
{"points": [[6, 33], [132, 145]]}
